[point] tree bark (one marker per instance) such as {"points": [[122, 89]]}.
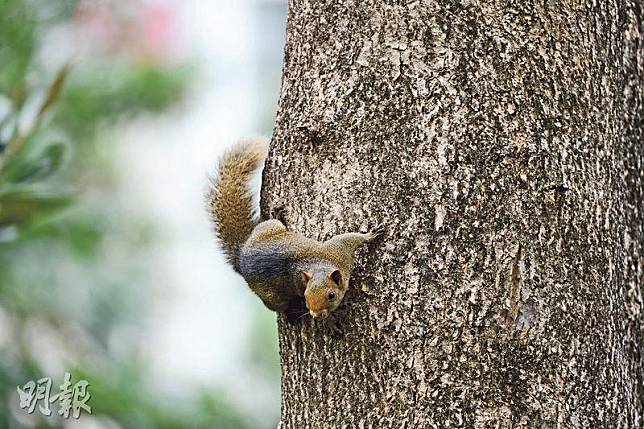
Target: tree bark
{"points": [[503, 144]]}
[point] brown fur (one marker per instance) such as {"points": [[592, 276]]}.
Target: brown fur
{"points": [[279, 265], [317, 294], [310, 272], [230, 202]]}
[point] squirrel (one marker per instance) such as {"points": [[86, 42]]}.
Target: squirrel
{"points": [[280, 266]]}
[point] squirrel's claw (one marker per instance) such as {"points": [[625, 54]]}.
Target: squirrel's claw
{"points": [[333, 325], [278, 211], [378, 231]]}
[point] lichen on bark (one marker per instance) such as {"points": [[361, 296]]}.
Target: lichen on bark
{"points": [[502, 142]]}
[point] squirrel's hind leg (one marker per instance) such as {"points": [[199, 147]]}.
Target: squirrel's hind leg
{"points": [[267, 227], [271, 228]]}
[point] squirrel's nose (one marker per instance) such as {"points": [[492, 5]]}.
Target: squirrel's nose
{"points": [[316, 314]]}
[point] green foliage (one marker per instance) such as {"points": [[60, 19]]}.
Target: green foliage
{"points": [[115, 93], [17, 33], [57, 273]]}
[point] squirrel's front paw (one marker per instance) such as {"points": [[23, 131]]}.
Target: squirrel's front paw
{"points": [[378, 231], [333, 325]]}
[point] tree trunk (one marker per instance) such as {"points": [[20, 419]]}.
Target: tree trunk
{"points": [[503, 144]]}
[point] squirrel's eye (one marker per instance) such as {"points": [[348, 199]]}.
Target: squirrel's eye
{"points": [[331, 296]]}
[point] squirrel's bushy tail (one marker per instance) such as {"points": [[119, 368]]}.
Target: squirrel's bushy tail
{"points": [[230, 201]]}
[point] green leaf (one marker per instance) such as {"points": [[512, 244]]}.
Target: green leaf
{"points": [[17, 33], [19, 206], [54, 90], [36, 167]]}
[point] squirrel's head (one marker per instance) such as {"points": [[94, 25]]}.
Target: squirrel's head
{"points": [[324, 291]]}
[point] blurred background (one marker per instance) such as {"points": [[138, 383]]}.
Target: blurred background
{"points": [[112, 115]]}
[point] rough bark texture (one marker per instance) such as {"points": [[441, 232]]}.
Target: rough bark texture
{"points": [[503, 142]]}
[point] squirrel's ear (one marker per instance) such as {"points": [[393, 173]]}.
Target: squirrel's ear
{"points": [[336, 277], [306, 276]]}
